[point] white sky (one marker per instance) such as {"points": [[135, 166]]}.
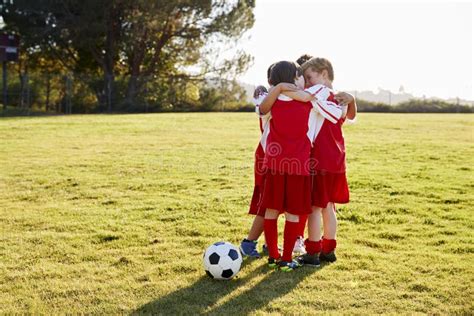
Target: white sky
{"points": [[425, 46]]}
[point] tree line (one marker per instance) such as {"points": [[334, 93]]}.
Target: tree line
{"points": [[94, 56], [128, 56], [414, 106]]}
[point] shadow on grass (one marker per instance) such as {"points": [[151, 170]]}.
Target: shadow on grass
{"points": [[202, 296]]}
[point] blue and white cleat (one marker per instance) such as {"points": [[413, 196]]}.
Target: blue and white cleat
{"points": [[288, 266], [248, 248], [299, 248]]}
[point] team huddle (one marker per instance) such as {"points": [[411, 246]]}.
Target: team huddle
{"points": [[300, 167]]}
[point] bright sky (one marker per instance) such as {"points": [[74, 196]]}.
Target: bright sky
{"points": [[425, 46]]}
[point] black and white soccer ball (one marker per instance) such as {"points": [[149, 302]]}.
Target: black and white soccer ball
{"points": [[222, 260]]}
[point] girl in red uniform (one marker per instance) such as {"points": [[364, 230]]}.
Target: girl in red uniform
{"points": [[248, 246], [329, 172], [287, 186]]}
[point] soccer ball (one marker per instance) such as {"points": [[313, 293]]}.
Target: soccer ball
{"points": [[222, 261]]}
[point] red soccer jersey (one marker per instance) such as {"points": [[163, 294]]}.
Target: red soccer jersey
{"points": [[288, 146], [329, 150]]}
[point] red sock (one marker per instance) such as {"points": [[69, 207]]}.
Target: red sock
{"points": [[270, 228], [312, 247], [289, 238], [302, 224], [328, 245]]}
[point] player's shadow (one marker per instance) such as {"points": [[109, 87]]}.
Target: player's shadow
{"points": [[207, 296]]}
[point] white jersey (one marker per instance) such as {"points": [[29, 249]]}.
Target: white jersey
{"points": [[323, 108], [264, 120]]}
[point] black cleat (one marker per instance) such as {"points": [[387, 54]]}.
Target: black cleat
{"points": [[328, 257], [311, 260]]}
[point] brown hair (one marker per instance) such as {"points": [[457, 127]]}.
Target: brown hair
{"points": [[303, 58], [284, 71], [319, 64]]}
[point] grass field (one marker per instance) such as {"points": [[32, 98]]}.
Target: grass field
{"points": [[111, 214]]}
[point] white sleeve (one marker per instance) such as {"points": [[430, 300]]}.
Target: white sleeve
{"points": [[257, 103], [320, 91], [328, 109], [259, 100]]}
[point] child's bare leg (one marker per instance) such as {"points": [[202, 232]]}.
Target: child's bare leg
{"points": [[314, 224], [292, 217], [270, 227], [330, 228], [257, 228], [271, 214], [313, 243], [330, 221]]}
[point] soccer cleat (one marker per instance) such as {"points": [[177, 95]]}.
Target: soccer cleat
{"points": [[288, 266], [299, 246], [273, 263], [328, 257], [311, 260], [248, 248]]}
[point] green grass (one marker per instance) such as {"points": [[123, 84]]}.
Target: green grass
{"points": [[111, 214]]}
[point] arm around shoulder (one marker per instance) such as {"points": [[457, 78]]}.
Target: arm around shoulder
{"points": [[299, 95], [271, 97], [351, 110]]}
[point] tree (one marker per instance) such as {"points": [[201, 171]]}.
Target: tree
{"points": [[139, 42]]}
